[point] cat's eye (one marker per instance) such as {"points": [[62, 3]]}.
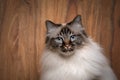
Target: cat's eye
{"points": [[59, 40], [73, 38]]}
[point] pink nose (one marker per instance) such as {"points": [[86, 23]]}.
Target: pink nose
{"points": [[67, 46]]}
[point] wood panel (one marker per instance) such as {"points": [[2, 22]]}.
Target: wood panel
{"points": [[115, 46], [22, 31]]}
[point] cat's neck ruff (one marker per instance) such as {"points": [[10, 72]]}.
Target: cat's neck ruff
{"points": [[87, 61]]}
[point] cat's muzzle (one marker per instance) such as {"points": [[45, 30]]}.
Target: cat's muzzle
{"points": [[67, 51]]}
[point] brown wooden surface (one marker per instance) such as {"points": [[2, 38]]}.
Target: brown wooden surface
{"points": [[22, 30]]}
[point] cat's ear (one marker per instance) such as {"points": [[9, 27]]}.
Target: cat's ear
{"points": [[50, 26], [77, 19], [76, 25]]}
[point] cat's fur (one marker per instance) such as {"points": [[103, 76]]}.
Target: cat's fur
{"points": [[82, 61]]}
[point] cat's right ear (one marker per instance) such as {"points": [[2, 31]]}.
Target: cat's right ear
{"points": [[51, 27], [49, 24]]}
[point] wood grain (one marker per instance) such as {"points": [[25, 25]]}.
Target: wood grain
{"points": [[115, 54], [22, 31]]}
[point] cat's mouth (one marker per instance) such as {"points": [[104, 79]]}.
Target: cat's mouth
{"points": [[67, 52]]}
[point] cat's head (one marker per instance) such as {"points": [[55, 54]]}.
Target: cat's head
{"points": [[65, 39]]}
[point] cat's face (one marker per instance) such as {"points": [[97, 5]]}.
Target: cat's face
{"points": [[64, 39]]}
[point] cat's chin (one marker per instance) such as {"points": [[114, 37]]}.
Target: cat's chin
{"points": [[67, 54]]}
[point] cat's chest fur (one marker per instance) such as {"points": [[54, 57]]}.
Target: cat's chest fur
{"points": [[85, 64]]}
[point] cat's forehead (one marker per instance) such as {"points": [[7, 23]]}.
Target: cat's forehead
{"points": [[65, 29], [74, 28]]}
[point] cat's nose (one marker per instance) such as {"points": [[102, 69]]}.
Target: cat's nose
{"points": [[67, 46]]}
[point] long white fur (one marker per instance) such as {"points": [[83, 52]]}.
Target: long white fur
{"points": [[85, 64]]}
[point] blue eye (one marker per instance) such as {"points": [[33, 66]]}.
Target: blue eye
{"points": [[72, 38], [59, 40]]}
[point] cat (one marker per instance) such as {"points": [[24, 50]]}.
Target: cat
{"points": [[70, 54]]}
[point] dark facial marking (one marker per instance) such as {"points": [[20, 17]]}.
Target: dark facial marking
{"points": [[54, 44], [67, 43], [69, 40], [65, 31]]}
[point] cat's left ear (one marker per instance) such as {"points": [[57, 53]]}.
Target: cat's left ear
{"points": [[76, 25], [77, 19]]}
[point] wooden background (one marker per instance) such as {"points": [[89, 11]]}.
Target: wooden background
{"points": [[22, 30]]}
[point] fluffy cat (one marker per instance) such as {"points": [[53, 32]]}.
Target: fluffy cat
{"points": [[71, 55]]}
